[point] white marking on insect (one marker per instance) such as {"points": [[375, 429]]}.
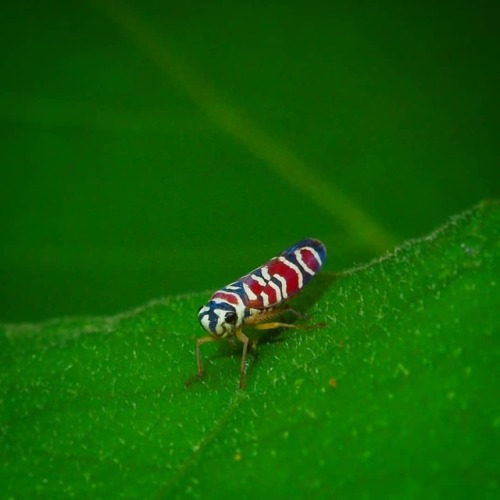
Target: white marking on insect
{"points": [[304, 266], [291, 265], [249, 292], [277, 289], [221, 314], [265, 272], [313, 251], [265, 298], [258, 279], [283, 285]]}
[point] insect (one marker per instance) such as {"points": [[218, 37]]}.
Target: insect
{"points": [[257, 298]]}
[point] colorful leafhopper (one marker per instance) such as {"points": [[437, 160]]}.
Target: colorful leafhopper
{"points": [[256, 299]]}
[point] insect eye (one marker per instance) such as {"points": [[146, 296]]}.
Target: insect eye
{"points": [[231, 318]]}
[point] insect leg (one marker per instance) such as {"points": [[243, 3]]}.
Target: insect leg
{"points": [[274, 324], [245, 340], [260, 321], [277, 324], [264, 316], [203, 340], [298, 314]]}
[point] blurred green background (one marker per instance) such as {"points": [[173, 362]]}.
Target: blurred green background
{"points": [[160, 148]]}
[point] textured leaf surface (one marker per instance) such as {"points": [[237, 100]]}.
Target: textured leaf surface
{"points": [[398, 395]]}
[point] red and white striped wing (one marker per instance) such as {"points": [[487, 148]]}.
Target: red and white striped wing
{"points": [[283, 276]]}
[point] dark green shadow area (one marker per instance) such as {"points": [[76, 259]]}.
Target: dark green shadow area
{"points": [[168, 147], [395, 397]]}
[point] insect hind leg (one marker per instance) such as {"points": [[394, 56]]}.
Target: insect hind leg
{"points": [[278, 324], [265, 315], [297, 314], [261, 321]]}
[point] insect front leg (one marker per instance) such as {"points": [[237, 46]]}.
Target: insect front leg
{"points": [[199, 342], [245, 340]]}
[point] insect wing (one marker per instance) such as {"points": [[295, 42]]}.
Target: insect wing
{"points": [[285, 275]]}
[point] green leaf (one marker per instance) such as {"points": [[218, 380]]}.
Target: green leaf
{"points": [[396, 396]]}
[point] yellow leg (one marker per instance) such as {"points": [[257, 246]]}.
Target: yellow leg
{"points": [[271, 314], [263, 316], [297, 313], [273, 324], [203, 340], [277, 324], [245, 340]]}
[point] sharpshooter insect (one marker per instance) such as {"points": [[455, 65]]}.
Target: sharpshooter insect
{"points": [[257, 298]]}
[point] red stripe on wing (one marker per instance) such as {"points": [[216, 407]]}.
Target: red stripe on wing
{"points": [[228, 297], [310, 260], [290, 275], [275, 268]]}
